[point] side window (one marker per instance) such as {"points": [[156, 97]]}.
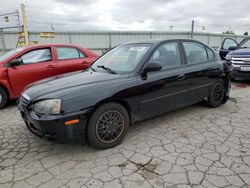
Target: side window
{"points": [[229, 43], [195, 52], [82, 55], [36, 56], [68, 53], [210, 54], [168, 55], [246, 44]]}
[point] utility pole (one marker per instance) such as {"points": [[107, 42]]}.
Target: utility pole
{"points": [[2, 40], [18, 21], [52, 27], [192, 29], [171, 27], [25, 29]]}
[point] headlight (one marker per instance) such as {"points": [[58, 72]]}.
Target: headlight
{"points": [[228, 57], [50, 106]]}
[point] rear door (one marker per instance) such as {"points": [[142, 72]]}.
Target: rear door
{"points": [[227, 45], [37, 64], [202, 70], [71, 59]]}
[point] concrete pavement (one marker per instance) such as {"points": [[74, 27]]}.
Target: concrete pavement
{"points": [[192, 147]]}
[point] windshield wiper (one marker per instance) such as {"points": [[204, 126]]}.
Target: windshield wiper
{"points": [[107, 69], [92, 68]]}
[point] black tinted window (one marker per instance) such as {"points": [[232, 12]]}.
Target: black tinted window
{"points": [[68, 53], [36, 56], [168, 55], [195, 52]]}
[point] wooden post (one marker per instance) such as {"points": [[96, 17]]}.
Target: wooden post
{"points": [[25, 28]]}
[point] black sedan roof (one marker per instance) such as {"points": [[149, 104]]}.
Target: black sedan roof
{"points": [[157, 41]]}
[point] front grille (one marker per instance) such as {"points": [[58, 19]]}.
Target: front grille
{"points": [[241, 60]]}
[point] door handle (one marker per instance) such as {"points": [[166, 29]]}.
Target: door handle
{"points": [[215, 67], [181, 76], [84, 62], [51, 66]]}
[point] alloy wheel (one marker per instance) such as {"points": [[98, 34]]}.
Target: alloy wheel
{"points": [[110, 126], [218, 93]]}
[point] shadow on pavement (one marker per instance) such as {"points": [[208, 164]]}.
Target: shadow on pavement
{"points": [[241, 83]]}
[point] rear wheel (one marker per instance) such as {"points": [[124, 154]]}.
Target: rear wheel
{"points": [[107, 126], [217, 95], [3, 98]]}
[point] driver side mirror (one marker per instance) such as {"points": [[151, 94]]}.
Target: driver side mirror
{"points": [[152, 66], [232, 48], [15, 62]]}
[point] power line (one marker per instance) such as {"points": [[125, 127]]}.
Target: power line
{"points": [[9, 14], [8, 11]]}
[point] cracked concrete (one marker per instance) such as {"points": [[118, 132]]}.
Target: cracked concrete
{"points": [[192, 147]]}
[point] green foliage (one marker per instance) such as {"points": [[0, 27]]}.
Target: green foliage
{"points": [[229, 33]]}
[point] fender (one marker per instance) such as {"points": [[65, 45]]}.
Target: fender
{"points": [[4, 80], [5, 85]]}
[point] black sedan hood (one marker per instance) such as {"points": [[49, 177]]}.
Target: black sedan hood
{"points": [[69, 84]]}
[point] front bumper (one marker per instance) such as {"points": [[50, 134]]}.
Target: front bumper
{"points": [[237, 73], [54, 128]]}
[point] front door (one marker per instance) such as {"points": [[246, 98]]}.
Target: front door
{"points": [[37, 64], [163, 90], [227, 45]]}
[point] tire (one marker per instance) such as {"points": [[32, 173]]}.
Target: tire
{"points": [[217, 95], [107, 126], [3, 98]]}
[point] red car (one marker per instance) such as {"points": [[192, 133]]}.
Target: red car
{"points": [[22, 66]]}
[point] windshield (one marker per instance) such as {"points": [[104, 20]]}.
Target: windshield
{"points": [[9, 54], [245, 44], [122, 59]]}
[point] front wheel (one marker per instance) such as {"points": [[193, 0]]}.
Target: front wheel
{"points": [[3, 98], [217, 95], [107, 126]]}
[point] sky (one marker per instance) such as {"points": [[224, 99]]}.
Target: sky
{"points": [[131, 15]]}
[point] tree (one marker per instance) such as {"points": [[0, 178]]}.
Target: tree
{"points": [[228, 32], [246, 33]]}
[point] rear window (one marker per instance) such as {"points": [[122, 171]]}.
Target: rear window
{"points": [[69, 53]]}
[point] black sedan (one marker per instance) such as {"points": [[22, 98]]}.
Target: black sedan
{"points": [[131, 82]]}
